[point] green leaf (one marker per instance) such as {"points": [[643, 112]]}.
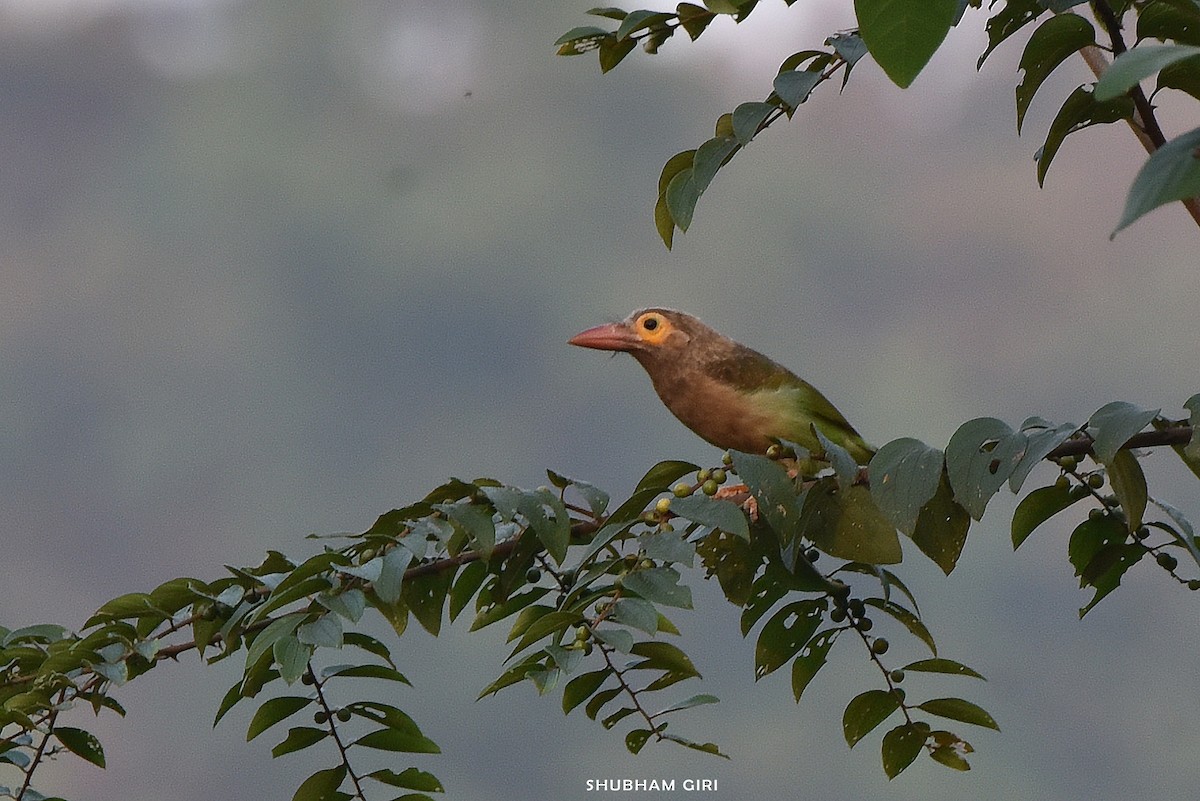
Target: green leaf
{"points": [[583, 687], [901, 746], [659, 585], [1134, 66], [350, 603], [617, 638], [902, 35], [785, 634], [1015, 15], [272, 711], [321, 785], [580, 40], [941, 665], [1051, 44], [409, 778], [904, 476], [599, 700], [1039, 506], [682, 196], [636, 21], [694, 19], [710, 157], [1129, 485], [475, 519], [866, 711], [794, 86], [425, 596], [747, 119], [707, 748], [810, 660], [949, 750], [972, 458], [292, 657], [81, 743], [663, 656], [1183, 76], [695, 700], [1114, 423], [664, 474], [366, 672], [636, 739], [324, 632], [299, 738], [1179, 21], [1080, 110], [1171, 173], [848, 525], [265, 640], [906, 618], [406, 741], [942, 527], [636, 613], [845, 468], [734, 562], [775, 493], [668, 546], [613, 51], [715, 513], [960, 710]]}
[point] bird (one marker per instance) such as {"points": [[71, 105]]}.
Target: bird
{"points": [[730, 395]]}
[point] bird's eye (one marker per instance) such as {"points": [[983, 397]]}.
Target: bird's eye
{"points": [[650, 323]]}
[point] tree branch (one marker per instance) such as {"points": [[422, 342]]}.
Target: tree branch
{"points": [[1144, 124]]}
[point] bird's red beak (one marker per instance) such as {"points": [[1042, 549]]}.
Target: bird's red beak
{"points": [[613, 336]]}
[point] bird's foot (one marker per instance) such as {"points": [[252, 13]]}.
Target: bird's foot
{"points": [[740, 494]]}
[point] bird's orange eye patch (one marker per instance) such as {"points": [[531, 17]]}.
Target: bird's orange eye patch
{"points": [[652, 327]]}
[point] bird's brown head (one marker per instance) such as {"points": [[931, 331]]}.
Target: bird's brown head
{"points": [[649, 335]]}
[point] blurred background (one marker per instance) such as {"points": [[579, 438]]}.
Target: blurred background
{"points": [[272, 268]]}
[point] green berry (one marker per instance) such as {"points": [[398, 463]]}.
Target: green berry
{"points": [[774, 451], [1069, 462], [857, 607], [840, 589], [321, 717], [587, 648], [582, 632], [343, 715], [532, 575], [812, 555], [719, 476], [663, 506], [1062, 482], [702, 475], [865, 624], [682, 489], [1096, 513], [709, 487], [837, 614], [896, 675], [1095, 481], [307, 679], [646, 564], [899, 693], [880, 646], [1193, 584], [1166, 561], [1142, 532], [665, 527], [727, 458]]}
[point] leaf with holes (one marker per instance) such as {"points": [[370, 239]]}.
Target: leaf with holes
{"points": [[866, 711], [1051, 44], [785, 634]]}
